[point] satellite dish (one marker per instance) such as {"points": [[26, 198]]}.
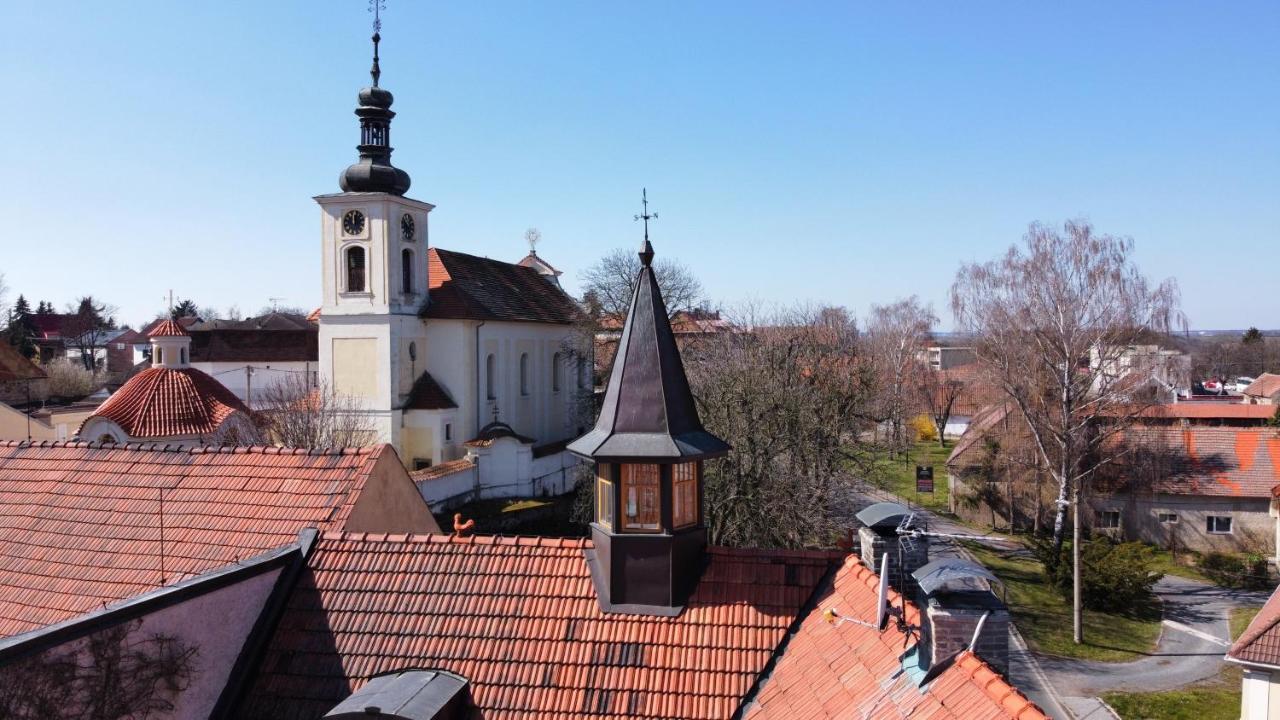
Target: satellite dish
{"points": [[882, 597]]}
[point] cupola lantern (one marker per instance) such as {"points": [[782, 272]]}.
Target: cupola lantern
{"points": [[648, 446]]}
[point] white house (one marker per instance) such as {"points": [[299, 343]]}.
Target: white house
{"points": [[1257, 651]]}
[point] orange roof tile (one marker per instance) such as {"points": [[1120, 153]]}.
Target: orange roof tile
{"points": [[170, 402], [438, 471], [1267, 385], [1211, 411], [839, 671], [518, 617], [80, 523], [1203, 460], [167, 328], [1260, 642]]}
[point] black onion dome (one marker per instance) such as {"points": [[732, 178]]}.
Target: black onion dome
{"points": [[373, 172], [366, 175], [376, 97]]}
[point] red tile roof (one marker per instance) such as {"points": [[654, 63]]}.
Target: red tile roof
{"points": [[435, 472], [1267, 385], [1211, 411], [1202, 460], [467, 287], [80, 523], [169, 402], [518, 617], [843, 671], [255, 345], [13, 366], [1260, 642], [167, 328]]}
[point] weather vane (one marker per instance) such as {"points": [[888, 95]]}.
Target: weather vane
{"points": [[645, 214], [376, 7]]}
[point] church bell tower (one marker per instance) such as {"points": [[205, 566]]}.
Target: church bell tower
{"points": [[374, 245]]}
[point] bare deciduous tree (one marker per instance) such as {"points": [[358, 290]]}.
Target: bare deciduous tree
{"points": [[86, 328], [610, 281], [1046, 318], [790, 396], [299, 414], [938, 395], [895, 340]]}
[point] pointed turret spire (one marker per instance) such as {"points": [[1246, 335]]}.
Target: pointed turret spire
{"points": [[373, 172]]}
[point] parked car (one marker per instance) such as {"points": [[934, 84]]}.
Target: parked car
{"points": [[1240, 384]]}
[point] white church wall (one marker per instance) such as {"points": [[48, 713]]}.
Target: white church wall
{"points": [[543, 413], [232, 375]]}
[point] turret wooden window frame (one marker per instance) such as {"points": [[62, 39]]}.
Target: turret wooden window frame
{"points": [[685, 502], [605, 500], [640, 497]]}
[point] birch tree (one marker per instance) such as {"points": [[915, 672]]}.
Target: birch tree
{"points": [[1051, 320], [896, 337]]}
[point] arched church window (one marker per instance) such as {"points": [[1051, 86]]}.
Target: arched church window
{"points": [[406, 271], [556, 362], [524, 373], [490, 377], [355, 269], [159, 356]]}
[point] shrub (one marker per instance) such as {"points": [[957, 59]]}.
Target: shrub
{"points": [[1236, 571], [924, 428], [1114, 576], [69, 380]]}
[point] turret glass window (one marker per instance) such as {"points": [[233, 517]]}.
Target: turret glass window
{"points": [[355, 269], [604, 496], [684, 494], [641, 498]]}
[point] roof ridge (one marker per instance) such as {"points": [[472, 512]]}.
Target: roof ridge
{"points": [[546, 541], [1250, 634], [192, 450]]}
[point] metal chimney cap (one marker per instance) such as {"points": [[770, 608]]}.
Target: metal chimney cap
{"points": [[882, 516], [953, 575]]}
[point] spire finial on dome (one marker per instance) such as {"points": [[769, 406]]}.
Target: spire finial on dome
{"points": [[646, 250], [376, 7]]}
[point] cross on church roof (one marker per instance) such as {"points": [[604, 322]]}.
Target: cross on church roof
{"points": [[646, 250]]}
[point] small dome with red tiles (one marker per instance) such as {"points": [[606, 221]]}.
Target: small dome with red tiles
{"points": [[168, 328], [162, 402]]}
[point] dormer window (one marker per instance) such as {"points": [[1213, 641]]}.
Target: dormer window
{"points": [[355, 269]]}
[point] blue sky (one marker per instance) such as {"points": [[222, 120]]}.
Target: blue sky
{"points": [[838, 153]]}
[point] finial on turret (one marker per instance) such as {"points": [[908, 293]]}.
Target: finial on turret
{"points": [[376, 7], [646, 250]]}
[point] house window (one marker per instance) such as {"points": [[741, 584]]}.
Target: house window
{"points": [[490, 376], [684, 494], [524, 373], [355, 269], [1218, 524], [159, 356], [604, 496], [406, 271], [1169, 518], [1109, 519], [555, 372], [448, 432], [183, 355], [641, 490]]}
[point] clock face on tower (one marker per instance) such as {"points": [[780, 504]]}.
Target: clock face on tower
{"points": [[353, 222], [406, 227]]}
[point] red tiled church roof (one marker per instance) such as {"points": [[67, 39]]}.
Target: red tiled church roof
{"points": [[167, 328], [518, 617], [843, 671], [468, 287], [170, 402], [80, 523], [1260, 642]]}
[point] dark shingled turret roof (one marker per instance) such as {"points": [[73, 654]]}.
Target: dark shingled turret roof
{"points": [[648, 410]]}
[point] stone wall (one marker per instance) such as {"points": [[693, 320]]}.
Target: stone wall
{"points": [[951, 618]]}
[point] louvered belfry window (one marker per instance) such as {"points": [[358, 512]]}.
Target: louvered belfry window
{"points": [[355, 269], [641, 498], [684, 494]]}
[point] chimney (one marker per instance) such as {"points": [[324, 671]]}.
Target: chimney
{"points": [[954, 595], [879, 535]]}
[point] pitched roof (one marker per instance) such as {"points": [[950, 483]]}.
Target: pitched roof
{"points": [[166, 328], [1203, 460], [15, 367], [845, 670], [170, 402], [542, 266], [435, 472], [986, 418], [1260, 642], [1267, 385], [648, 409], [519, 619], [253, 345], [1210, 411], [268, 321], [466, 287], [49, 325], [80, 523], [426, 394]]}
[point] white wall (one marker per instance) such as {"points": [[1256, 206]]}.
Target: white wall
{"points": [[265, 374]]}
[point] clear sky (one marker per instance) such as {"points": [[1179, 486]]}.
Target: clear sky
{"points": [[843, 153]]}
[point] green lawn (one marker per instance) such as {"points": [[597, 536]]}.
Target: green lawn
{"points": [[1217, 700], [1240, 619], [1044, 617], [898, 476], [1166, 563]]}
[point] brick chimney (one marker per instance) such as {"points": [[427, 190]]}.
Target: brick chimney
{"points": [[879, 535], [954, 595]]}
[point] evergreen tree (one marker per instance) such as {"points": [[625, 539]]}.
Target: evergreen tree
{"points": [[186, 308], [44, 308], [22, 330]]}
